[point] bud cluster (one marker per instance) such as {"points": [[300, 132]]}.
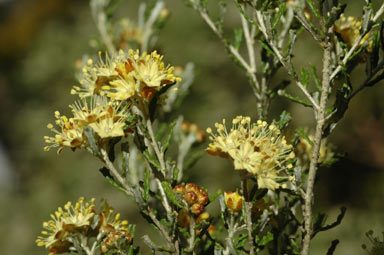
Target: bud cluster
{"points": [[195, 197]]}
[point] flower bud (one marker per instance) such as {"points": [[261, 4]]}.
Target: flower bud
{"points": [[197, 208], [234, 201], [190, 197], [183, 218], [179, 189]]}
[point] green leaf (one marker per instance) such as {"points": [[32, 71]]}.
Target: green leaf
{"points": [[294, 98], [302, 133], [146, 185], [285, 118], [110, 179], [215, 195], [172, 197], [168, 139], [175, 174], [315, 77], [304, 76], [266, 239], [204, 3], [151, 159], [238, 38], [191, 161], [161, 131], [277, 17], [314, 10], [266, 47]]}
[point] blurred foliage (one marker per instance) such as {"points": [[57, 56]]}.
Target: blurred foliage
{"points": [[41, 41]]}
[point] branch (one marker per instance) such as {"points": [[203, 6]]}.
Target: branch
{"points": [[152, 216], [115, 172], [282, 60], [148, 25], [320, 113], [248, 221], [97, 8], [248, 68]]}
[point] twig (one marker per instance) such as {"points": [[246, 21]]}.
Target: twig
{"points": [[115, 172], [149, 24], [248, 208], [155, 146], [234, 52], [378, 13], [97, 7], [250, 44], [282, 60], [192, 232], [320, 113], [83, 244], [163, 231]]}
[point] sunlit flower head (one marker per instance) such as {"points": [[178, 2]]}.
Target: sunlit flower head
{"points": [[257, 148], [110, 121], [69, 134], [125, 75], [64, 222]]}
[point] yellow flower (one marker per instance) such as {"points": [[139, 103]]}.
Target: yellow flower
{"points": [[234, 201], [257, 148], [95, 76], [111, 121], [74, 218], [349, 29], [151, 70], [110, 221], [69, 134], [125, 75]]}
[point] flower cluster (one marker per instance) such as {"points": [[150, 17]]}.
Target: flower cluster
{"points": [[109, 88], [349, 29], [80, 219], [257, 148], [107, 119], [125, 76], [195, 197]]}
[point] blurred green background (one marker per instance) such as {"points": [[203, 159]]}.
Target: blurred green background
{"points": [[40, 42]]}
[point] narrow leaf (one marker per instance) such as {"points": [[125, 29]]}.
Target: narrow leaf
{"points": [[215, 195], [294, 98], [168, 190], [238, 38], [151, 159], [168, 139], [277, 17], [315, 77], [266, 47], [146, 185], [302, 133], [304, 76], [313, 8], [285, 118]]}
